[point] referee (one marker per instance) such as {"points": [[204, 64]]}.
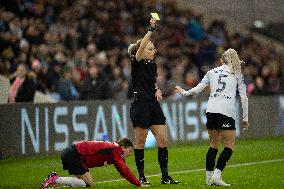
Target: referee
{"points": [[145, 111]]}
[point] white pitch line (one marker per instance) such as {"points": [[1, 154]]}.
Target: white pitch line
{"points": [[196, 170]]}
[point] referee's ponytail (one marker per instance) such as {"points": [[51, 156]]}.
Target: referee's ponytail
{"points": [[231, 58], [133, 48]]}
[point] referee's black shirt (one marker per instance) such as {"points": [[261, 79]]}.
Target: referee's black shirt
{"points": [[144, 76]]}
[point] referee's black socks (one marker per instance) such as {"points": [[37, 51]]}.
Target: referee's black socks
{"points": [[163, 161], [224, 158], [139, 159], [210, 159]]}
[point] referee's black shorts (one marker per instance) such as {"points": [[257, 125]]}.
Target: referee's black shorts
{"points": [[144, 114], [218, 121], [72, 162]]}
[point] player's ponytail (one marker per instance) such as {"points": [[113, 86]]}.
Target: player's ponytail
{"points": [[231, 58], [133, 48]]}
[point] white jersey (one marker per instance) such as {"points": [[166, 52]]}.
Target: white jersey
{"points": [[223, 85]]}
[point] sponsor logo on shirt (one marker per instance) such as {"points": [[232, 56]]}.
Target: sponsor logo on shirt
{"points": [[226, 125], [215, 95]]}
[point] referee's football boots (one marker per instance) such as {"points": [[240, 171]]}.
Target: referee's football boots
{"points": [[169, 180], [144, 181]]}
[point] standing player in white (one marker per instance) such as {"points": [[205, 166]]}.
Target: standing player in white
{"points": [[221, 111]]}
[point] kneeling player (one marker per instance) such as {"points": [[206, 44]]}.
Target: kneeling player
{"points": [[81, 156]]}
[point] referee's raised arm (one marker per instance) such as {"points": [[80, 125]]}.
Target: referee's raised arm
{"points": [[145, 40]]}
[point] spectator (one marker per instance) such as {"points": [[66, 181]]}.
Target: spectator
{"points": [[195, 28], [123, 93], [95, 86], [259, 88], [217, 33], [22, 87], [116, 83], [65, 86]]}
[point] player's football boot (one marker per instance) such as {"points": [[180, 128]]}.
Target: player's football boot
{"points": [[209, 181], [169, 180], [218, 181], [144, 181], [49, 180]]}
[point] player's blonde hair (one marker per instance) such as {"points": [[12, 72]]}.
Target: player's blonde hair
{"points": [[133, 48], [231, 58]]}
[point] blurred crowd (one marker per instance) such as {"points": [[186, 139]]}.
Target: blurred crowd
{"points": [[77, 50]]}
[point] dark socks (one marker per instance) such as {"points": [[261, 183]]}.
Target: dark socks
{"points": [[224, 158], [163, 161], [139, 159], [210, 159]]}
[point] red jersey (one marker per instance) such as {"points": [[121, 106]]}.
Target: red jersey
{"points": [[99, 153]]}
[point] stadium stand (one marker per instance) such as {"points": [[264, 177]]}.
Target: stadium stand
{"points": [[77, 50]]}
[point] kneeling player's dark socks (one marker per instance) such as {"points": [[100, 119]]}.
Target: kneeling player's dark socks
{"points": [[163, 161], [139, 159], [210, 159], [224, 158]]}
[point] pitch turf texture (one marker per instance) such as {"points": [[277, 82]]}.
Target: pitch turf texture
{"points": [[255, 163]]}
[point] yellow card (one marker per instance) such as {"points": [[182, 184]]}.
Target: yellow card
{"points": [[155, 15]]}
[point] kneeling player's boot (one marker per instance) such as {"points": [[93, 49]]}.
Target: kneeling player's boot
{"points": [[217, 180], [169, 180], [49, 180], [144, 181]]}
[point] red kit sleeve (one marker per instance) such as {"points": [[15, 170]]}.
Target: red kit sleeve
{"points": [[123, 169]]}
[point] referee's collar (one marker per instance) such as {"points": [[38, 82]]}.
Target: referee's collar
{"points": [[147, 61]]}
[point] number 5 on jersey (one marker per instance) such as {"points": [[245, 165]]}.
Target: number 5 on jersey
{"points": [[222, 83]]}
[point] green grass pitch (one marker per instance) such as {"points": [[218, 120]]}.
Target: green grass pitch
{"points": [[257, 163]]}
